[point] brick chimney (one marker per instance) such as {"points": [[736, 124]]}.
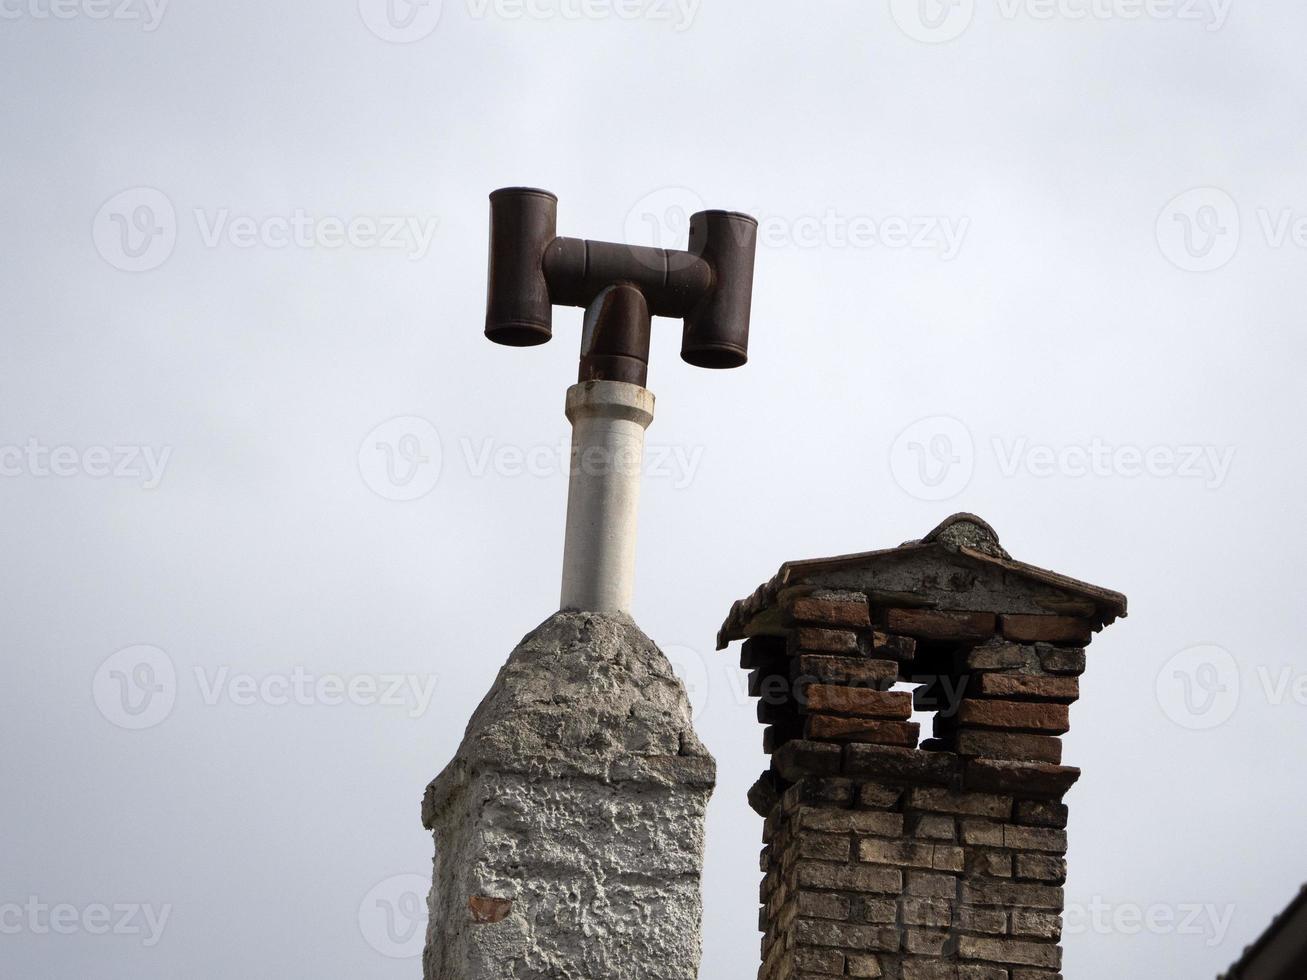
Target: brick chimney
{"points": [[882, 857]]}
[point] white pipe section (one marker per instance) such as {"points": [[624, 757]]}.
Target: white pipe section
{"points": [[609, 419]]}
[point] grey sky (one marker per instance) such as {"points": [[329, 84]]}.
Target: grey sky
{"points": [[1048, 268]]}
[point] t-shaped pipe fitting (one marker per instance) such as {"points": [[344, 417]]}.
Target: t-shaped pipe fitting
{"points": [[709, 286], [621, 288]]}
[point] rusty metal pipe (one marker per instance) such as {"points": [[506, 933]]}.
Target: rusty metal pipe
{"points": [[709, 285]]}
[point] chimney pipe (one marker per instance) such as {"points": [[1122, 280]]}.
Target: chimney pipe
{"points": [[709, 286]]}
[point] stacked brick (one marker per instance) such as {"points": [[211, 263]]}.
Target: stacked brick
{"points": [[885, 858]]}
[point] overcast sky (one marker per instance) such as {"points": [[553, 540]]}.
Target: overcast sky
{"points": [[275, 512]]}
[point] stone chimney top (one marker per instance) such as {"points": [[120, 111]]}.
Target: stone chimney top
{"points": [[965, 549]]}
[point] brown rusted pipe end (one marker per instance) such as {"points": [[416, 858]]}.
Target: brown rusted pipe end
{"points": [[615, 341]]}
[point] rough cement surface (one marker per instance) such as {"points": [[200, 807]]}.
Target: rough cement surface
{"points": [[569, 827]]}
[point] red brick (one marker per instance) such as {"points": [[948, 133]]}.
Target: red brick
{"points": [[486, 911], [931, 624], [891, 647], [1047, 629], [1006, 745], [830, 728], [850, 613], [1024, 687], [826, 641], [878, 674], [829, 699], [1030, 716]]}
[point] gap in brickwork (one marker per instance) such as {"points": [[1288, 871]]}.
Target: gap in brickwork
{"points": [[941, 680], [921, 717]]}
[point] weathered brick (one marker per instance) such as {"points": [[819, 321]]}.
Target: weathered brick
{"points": [[489, 910], [825, 791], [801, 757], [962, 804], [933, 624], [927, 912], [824, 847], [935, 826], [996, 864], [878, 795], [862, 965], [1031, 716], [927, 941], [982, 832], [1039, 925], [831, 728], [892, 647], [822, 905], [891, 762], [825, 641], [922, 884], [770, 684], [1015, 746], [1008, 894], [1057, 661], [1001, 655], [846, 935], [763, 651], [851, 821], [910, 854], [878, 911], [823, 669], [929, 970], [1028, 779], [1039, 813], [973, 919], [861, 878], [850, 612], [1044, 839], [1023, 686], [830, 699], [823, 962], [1041, 867], [1010, 951], [1047, 629]]}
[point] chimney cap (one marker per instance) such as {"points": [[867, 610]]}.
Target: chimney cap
{"points": [[961, 545]]}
